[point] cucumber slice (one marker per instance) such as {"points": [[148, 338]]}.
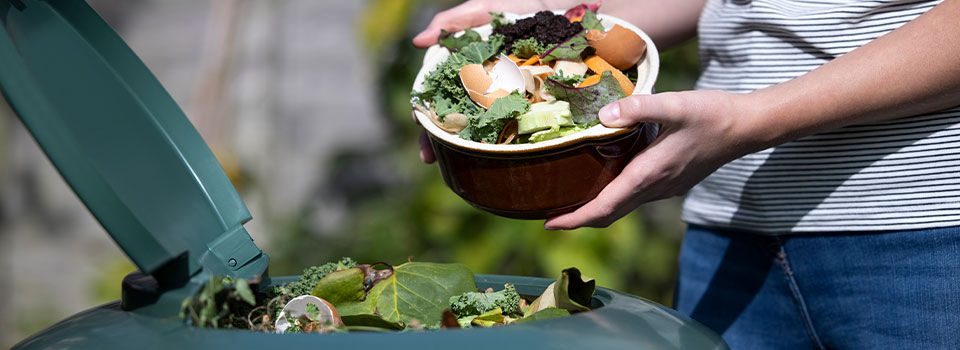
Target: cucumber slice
{"points": [[543, 116]]}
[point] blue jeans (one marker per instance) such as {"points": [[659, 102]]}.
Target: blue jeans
{"points": [[885, 290]]}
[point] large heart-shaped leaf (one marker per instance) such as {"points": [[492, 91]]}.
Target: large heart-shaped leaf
{"points": [[416, 291]]}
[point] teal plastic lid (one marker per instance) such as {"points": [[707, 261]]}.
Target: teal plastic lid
{"points": [[122, 143]]}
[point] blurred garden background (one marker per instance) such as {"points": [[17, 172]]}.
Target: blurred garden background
{"points": [[306, 104]]}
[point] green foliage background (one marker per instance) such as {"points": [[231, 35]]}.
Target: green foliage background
{"points": [[421, 219]]}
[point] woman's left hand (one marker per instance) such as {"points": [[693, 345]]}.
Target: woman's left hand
{"points": [[699, 132]]}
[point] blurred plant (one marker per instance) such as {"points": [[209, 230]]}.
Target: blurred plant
{"points": [[417, 217]]}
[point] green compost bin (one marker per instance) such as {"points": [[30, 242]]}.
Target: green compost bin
{"points": [[133, 158]]}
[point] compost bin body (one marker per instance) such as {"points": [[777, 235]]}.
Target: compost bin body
{"points": [[623, 322], [131, 155]]}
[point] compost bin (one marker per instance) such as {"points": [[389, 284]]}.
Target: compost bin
{"points": [[140, 167]]}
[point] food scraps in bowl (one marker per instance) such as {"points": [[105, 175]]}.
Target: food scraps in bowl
{"points": [[532, 80], [346, 296]]}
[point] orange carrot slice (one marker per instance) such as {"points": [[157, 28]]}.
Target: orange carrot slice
{"points": [[598, 65], [593, 79], [531, 61]]}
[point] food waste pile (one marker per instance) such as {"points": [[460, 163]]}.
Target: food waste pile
{"points": [[536, 79], [346, 296]]}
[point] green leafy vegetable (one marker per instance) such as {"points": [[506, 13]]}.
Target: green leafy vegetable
{"points": [[455, 43], [571, 80], [498, 20], [479, 52], [525, 48], [489, 318], [545, 314], [567, 50], [486, 126], [586, 102], [590, 21], [312, 275], [415, 291], [221, 303], [570, 292], [341, 286], [476, 303]]}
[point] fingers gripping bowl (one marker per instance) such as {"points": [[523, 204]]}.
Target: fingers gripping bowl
{"points": [[542, 179]]}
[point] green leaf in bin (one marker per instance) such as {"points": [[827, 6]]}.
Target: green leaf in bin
{"points": [[369, 321], [573, 293], [415, 291], [244, 292], [545, 314], [570, 292], [490, 318], [341, 287]]}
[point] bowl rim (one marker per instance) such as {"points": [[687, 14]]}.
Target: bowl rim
{"points": [[436, 55]]}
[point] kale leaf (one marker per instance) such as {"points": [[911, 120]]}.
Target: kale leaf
{"points": [[486, 126], [525, 48], [476, 303]]}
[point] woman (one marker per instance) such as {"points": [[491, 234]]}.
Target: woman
{"points": [[821, 153]]}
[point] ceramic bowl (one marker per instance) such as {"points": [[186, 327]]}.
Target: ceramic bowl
{"points": [[544, 179]]}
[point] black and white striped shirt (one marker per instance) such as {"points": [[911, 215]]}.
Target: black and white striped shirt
{"points": [[893, 175]]}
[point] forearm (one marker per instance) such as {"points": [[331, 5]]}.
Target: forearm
{"points": [[913, 69]]}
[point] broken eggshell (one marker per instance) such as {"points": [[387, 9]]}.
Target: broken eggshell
{"points": [[485, 87], [297, 307], [570, 67], [619, 46]]}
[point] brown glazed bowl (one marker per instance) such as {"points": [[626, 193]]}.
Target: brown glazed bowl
{"points": [[544, 179]]}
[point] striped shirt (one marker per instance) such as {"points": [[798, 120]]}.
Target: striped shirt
{"points": [[899, 174]]}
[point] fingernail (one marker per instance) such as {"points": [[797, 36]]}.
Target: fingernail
{"points": [[610, 113]]}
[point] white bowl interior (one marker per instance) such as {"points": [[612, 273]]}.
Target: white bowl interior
{"points": [[646, 72]]}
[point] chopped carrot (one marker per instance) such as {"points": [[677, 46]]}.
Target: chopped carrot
{"points": [[599, 65], [593, 79], [576, 19], [515, 59], [531, 61]]}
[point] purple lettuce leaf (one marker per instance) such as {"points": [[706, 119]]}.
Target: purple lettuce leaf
{"points": [[586, 102]]}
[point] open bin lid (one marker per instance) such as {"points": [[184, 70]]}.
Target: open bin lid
{"points": [[122, 143]]}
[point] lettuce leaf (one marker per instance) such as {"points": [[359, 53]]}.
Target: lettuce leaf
{"points": [[454, 43], [586, 102], [590, 21], [567, 50]]}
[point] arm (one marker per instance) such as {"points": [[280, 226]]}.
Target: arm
{"points": [[911, 70], [668, 22]]}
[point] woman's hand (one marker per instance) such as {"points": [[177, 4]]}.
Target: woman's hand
{"points": [[699, 132]]}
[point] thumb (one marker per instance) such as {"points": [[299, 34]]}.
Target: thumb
{"points": [[634, 109]]}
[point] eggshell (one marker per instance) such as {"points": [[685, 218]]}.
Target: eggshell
{"points": [[485, 87], [569, 67], [297, 307], [619, 46], [474, 77], [485, 100]]}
